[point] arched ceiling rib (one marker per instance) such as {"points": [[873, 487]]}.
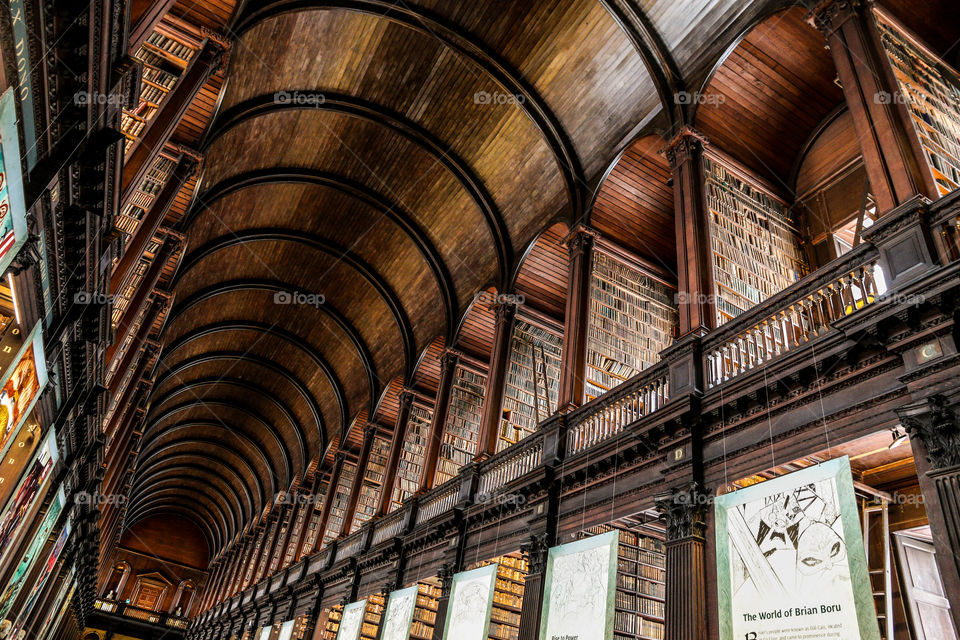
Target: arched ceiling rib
{"points": [[437, 141]]}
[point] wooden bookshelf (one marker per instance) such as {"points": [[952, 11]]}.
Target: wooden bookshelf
{"points": [[128, 220], [641, 585], [332, 624], [533, 381], [373, 475], [164, 57], [930, 90], [461, 431], [633, 316], [425, 612], [410, 467], [507, 596], [372, 615], [338, 507], [755, 243]]}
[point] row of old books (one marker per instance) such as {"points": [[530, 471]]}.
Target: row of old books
{"points": [[533, 381], [462, 428], [632, 318], [756, 247], [410, 467], [931, 92]]}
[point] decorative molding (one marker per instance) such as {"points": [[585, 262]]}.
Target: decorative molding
{"points": [[684, 512], [937, 426], [685, 145]]}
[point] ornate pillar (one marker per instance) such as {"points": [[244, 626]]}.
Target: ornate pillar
{"points": [[695, 299], [534, 550], [448, 367], [368, 435], [935, 438], [892, 155], [396, 449], [684, 510], [446, 584], [576, 316], [506, 316]]}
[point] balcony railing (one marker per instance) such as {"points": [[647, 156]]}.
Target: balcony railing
{"points": [[610, 413], [137, 613], [438, 501], [793, 317], [511, 463], [389, 526]]}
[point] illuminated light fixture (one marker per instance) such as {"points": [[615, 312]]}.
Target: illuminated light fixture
{"points": [[899, 437], [13, 295]]}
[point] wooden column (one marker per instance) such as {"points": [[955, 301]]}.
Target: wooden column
{"points": [[446, 584], [368, 435], [535, 551], [448, 367], [506, 316], [935, 438], [338, 462], [149, 226], [695, 294], [576, 318], [158, 132], [683, 510], [892, 155], [396, 449], [266, 549]]}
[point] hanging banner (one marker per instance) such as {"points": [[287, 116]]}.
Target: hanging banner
{"points": [[471, 601], [24, 381], [790, 559], [351, 621], [24, 614], [398, 617], [580, 585], [286, 630], [30, 556], [31, 487], [58, 607], [13, 209]]}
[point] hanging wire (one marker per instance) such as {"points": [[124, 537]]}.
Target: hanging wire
{"points": [[766, 396], [823, 414], [723, 436]]}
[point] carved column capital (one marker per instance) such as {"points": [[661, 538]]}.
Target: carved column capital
{"points": [[449, 360], [534, 550], [827, 16], [504, 312], [406, 399], [580, 240], [937, 426], [684, 146], [445, 573], [684, 512]]}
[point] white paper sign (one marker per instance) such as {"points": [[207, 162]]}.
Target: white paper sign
{"points": [[471, 599], [352, 621], [399, 614]]}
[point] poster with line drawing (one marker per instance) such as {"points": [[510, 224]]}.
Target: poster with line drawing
{"points": [[790, 559]]}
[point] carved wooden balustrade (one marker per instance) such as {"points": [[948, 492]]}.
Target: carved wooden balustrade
{"points": [[510, 464], [390, 525], [440, 500], [610, 413], [794, 317]]}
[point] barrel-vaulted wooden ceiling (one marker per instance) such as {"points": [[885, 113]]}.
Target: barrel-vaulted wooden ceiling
{"points": [[371, 166]]}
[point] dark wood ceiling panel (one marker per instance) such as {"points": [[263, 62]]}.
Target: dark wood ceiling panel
{"points": [[317, 330], [212, 14], [413, 74], [634, 206], [835, 147], [389, 405], [337, 144], [426, 379], [938, 24], [543, 276], [343, 222], [476, 332], [769, 95]]}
